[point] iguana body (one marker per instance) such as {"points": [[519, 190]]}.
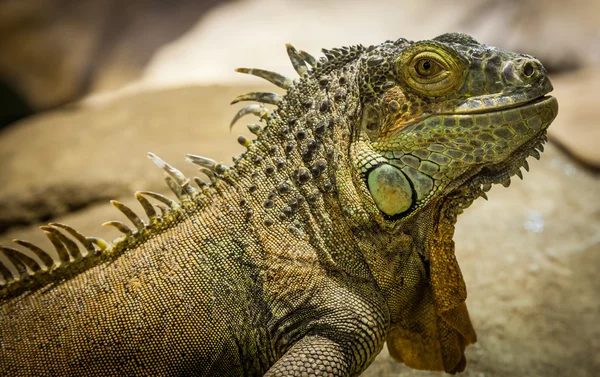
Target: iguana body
{"points": [[329, 236]]}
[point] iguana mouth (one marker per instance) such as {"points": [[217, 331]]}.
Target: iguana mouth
{"points": [[504, 107]]}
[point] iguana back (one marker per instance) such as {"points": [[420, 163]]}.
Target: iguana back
{"points": [[179, 302]]}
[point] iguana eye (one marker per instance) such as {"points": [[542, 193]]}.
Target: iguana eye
{"points": [[431, 68], [427, 67]]}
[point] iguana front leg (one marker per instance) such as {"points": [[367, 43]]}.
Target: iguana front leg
{"points": [[316, 356], [344, 335]]}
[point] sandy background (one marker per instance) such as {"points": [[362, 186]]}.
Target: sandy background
{"points": [[102, 84]]}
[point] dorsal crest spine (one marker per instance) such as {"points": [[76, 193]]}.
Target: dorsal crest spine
{"points": [[36, 267]]}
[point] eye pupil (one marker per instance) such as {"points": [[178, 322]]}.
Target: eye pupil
{"points": [[426, 65]]}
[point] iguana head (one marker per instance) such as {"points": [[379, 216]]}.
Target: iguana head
{"points": [[445, 114]]}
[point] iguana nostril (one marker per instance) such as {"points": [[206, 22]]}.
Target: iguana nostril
{"points": [[528, 69]]}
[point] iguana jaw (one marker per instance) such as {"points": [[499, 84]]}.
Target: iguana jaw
{"points": [[479, 179]]}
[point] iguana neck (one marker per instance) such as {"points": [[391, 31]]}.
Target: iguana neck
{"points": [[299, 177], [293, 174], [404, 256]]}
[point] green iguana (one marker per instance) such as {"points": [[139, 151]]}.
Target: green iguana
{"points": [[329, 236]]}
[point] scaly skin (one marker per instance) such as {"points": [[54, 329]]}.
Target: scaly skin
{"points": [[331, 235]]}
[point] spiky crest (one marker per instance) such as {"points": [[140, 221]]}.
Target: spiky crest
{"points": [[34, 267]]}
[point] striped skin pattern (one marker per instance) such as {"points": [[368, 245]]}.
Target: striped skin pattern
{"points": [[331, 235]]}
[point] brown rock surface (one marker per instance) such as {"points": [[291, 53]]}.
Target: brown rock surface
{"points": [[74, 156], [529, 256], [54, 51], [577, 126]]}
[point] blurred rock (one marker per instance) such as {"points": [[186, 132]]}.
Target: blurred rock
{"points": [[64, 160], [577, 126], [55, 51], [563, 34], [48, 48]]}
